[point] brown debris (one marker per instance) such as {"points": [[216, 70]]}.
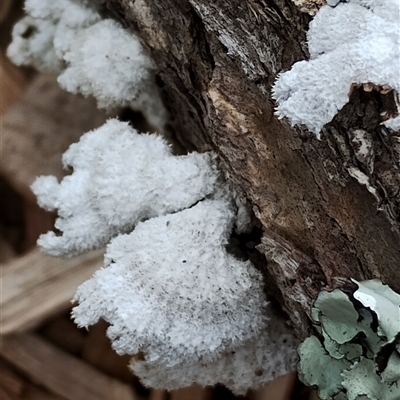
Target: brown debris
{"points": [[15, 387], [98, 352], [4, 9], [6, 250], [279, 389], [194, 392], [62, 332], [158, 395]]}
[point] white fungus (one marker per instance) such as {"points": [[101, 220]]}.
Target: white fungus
{"points": [[249, 365], [186, 309], [33, 45], [119, 178], [92, 56], [108, 62], [171, 290], [353, 43]]}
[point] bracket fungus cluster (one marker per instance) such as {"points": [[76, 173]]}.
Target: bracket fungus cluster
{"points": [[176, 300], [169, 289], [186, 309], [357, 352]]}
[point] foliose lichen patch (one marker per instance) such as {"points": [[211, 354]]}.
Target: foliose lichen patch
{"points": [[356, 354]]}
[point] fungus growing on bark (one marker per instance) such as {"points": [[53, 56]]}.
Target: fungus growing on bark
{"points": [[171, 292], [186, 309], [169, 289], [353, 43]]}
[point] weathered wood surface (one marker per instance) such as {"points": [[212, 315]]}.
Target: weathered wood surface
{"points": [[4, 9], [217, 61], [14, 387], [63, 374], [158, 395], [36, 286]]}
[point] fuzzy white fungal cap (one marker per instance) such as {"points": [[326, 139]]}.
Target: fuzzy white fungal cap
{"points": [[93, 57], [353, 43], [119, 178], [41, 38], [387, 9], [249, 365], [333, 27], [47, 9], [33, 45], [108, 62], [171, 290]]}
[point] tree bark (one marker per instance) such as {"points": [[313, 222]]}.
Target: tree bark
{"points": [[217, 61]]}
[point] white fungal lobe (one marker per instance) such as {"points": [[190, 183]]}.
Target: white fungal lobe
{"points": [[119, 178], [353, 43], [171, 291], [92, 56], [177, 279], [251, 364]]}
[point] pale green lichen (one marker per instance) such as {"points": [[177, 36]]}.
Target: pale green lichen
{"points": [[313, 369], [362, 379], [384, 302], [356, 355]]}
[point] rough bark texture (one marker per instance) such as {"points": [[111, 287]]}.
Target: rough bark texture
{"points": [[217, 61]]}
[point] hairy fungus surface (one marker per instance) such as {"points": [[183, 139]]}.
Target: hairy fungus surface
{"points": [[352, 43], [185, 308], [119, 178], [169, 288], [92, 56], [177, 279]]}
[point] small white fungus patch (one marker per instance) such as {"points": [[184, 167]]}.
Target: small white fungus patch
{"points": [[92, 56], [353, 43]]}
